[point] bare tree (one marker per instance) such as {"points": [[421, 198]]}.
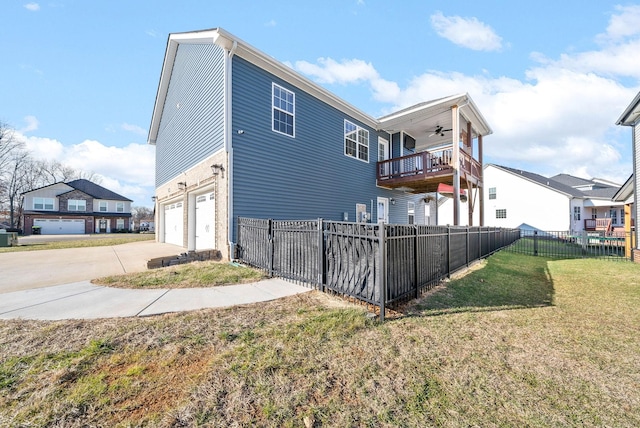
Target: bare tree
{"points": [[17, 181], [140, 213], [8, 144], [55, 171]]}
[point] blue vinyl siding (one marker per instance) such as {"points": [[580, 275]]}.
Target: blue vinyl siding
{"points": [[306, 177], [192, 123]]}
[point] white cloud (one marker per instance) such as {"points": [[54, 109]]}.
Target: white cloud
{"points": [[32, 124], [271, 23], [129, 170], [560, 118], [328, 70], [135, 129], [33, 7], [466, 32], [623, 24]]}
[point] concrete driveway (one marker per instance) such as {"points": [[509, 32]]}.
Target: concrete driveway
{"points": [[25, 270]]}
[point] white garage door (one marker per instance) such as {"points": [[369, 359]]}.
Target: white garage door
{"points": [[60, 226], [205, 221], [173, 224]]}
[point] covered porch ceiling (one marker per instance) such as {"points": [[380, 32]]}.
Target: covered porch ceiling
{"points": [[421, 121]]}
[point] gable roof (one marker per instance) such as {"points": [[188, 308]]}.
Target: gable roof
{"points": [[96, 191], [626, 191], [570, 180], [543, 181]]}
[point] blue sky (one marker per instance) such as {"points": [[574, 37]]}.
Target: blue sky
{"points": [[78, 78]]}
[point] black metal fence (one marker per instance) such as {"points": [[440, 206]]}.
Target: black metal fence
{"points": [[570, 245], [380, 264]]}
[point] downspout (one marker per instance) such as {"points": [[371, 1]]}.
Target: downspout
{"points": [[228, 144]]}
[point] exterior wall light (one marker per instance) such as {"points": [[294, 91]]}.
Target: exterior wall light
{"points": [[182, 185], [217, 168]]}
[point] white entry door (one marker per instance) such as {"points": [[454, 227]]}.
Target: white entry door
{"points": [[383, 210], [173, 224], [205, 221]]}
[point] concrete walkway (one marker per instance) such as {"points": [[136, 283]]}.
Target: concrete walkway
{"points": [[83, 300]]}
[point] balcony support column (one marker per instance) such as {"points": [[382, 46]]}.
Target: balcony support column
{"points": [[481, 189], [455, 162]]}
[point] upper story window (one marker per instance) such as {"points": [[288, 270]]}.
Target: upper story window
{"points": [[356, 141], [76, 205], [43, 204], [492, 192], [120, 207], [284, 110], [102, 206]]}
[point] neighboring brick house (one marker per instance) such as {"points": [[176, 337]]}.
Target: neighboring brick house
{"points": [[77, 207]]}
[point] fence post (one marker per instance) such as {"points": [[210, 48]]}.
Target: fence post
{"points": [[468, 246], [448, 251], [415, 259], [321, 254], [382, 271], [535, 242], [271, 251]]}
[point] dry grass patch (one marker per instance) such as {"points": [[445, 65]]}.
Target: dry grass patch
{"points": [[81, 243], [522, 341], [195, 274]]}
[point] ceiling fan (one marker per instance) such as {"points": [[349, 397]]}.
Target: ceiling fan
{"points": [[439, 131]]}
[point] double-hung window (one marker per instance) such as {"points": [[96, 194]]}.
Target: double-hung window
{"points": [[76, 205], [411, 212], [43, 204], [120, 207], [356, 141], [284, 110], [102, 206], [492, 192]]}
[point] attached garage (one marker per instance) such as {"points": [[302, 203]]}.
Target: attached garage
{"points": [[205, 221], [60, 226], [173, 224]]}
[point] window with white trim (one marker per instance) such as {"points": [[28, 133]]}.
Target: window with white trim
{"points": [[613, 213], [356, 141], [76, 205], [120, 224], [120, 207], [102, 206], [492, 192], [411, 212], [501, 213], [284, 110], [622, 216], [577, 213], [43, 204]]}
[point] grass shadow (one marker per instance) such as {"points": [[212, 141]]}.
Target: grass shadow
{"points": [[506, 281]]}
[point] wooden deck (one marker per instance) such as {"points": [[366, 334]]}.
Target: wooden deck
{"points": [[422, 172]]}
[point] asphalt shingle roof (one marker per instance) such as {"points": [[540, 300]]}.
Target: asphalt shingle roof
{"points": [[98, 192], [548, 182]]}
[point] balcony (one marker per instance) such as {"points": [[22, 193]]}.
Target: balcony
{"points": [[422, 172]]}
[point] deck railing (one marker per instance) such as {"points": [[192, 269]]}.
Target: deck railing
{"points": [[427, 163]]}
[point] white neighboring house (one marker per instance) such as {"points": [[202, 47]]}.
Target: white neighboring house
{"points": [[517, 198]]}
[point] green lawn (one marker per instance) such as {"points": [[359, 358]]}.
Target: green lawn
{"points": [[518, 342]]}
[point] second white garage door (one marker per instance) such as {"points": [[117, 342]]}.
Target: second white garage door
{"points": [[173, 224], [60, 226], [205, 221]]}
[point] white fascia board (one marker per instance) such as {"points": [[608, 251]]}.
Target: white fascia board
{"points": [[468, 110], [631, 114]]}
